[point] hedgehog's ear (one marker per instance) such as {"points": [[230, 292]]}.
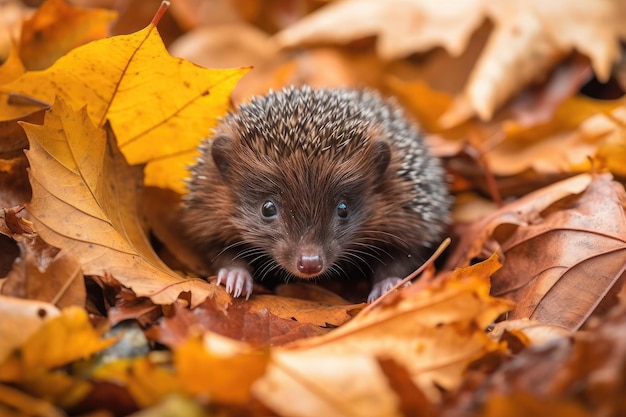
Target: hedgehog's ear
{"points": [[380, 153], [222, 153]]}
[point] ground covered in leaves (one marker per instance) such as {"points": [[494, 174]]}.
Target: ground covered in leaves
{"points": [[107, 311]]}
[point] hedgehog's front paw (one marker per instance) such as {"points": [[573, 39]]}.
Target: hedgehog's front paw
{"points": [[237, 280], [382, 287]]}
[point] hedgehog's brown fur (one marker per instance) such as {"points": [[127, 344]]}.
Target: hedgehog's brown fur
{"points": [[307, 150]]}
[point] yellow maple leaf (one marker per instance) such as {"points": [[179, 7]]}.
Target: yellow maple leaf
{"points": [[57, 27], [158, 106]]}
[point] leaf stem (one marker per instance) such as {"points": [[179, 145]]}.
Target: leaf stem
{"points": [[160, 12], [411, 276]]}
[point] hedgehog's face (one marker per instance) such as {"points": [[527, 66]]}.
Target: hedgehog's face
{"points": [[304, 235], [302, 216]]}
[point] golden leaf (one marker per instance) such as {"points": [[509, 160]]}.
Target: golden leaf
{"points": [[158, 106], [84, 202]]}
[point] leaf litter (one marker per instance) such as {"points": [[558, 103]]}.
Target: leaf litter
{"points": [[84, 268]]}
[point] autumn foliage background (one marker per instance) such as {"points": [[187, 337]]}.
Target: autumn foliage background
{"points": [[103, 306]]}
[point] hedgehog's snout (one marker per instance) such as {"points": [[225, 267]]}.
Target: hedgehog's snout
{"points": [[310, 264], [304, 261]]}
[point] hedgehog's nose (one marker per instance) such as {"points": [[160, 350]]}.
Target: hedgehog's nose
{"points": [[310, 264]]}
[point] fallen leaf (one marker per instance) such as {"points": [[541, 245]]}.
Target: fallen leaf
{"points": [[12, 398], [61, 283], [569, 130], [20, 320], [84, 202], [159, 107], [58, 27], [420, 331], [11, 69], [581, 375], [408, 26], [147, 381], [239, 322], [319, 384], [563, 249], [219, 368], [123, 304], [59, 341], [528, 39], [12, 15]]}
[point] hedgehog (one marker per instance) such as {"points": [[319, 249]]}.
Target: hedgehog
{"points": [[308, 183]]}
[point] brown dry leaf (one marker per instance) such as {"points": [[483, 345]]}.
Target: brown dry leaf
{"points": [[61, 283], [84, 202], [563, 248], [305, 311], [580, 129], [56, 28], [238, 322], [422, 332], [582, 376], [122, 304]]}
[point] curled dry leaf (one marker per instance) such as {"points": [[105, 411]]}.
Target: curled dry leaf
{"points": [[564, 250], [421, 332], [84, 202], [61, 283], [577, 376]]}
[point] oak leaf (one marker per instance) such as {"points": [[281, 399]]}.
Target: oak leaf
{"points": [[563, 247], [84, 202], [159, 107]]}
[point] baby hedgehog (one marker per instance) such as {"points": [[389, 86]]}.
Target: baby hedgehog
{"points": [[315, 182]]}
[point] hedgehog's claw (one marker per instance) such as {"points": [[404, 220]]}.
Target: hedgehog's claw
{"points": [[237, 280], [382, 287]]}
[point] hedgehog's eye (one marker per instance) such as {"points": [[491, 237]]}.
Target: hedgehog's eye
{"points": [[342, 210], [269, 210]]}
